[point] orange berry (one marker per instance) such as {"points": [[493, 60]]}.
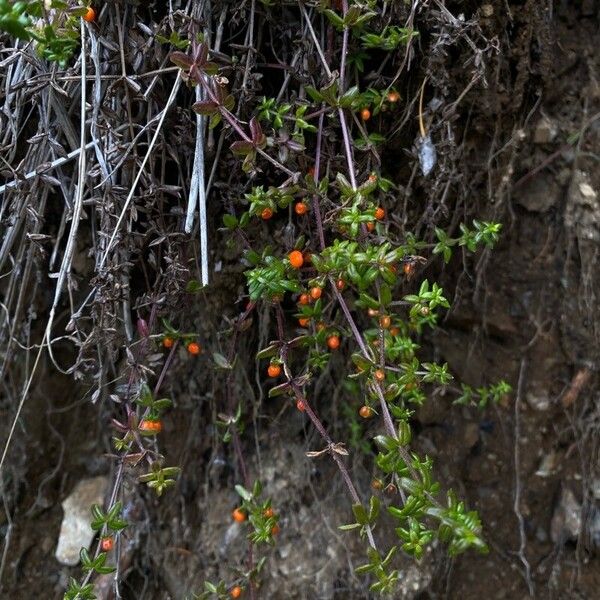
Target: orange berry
{"points": [[296, 259], [315, 293], [340, 284], [311, 171], [275, 530], [379, 213], [194, 348], [168, 342], [366, 412], [107, 544], [379, 375], [365, 114], [385, 322], [394, 331], [407, 268], [90, 15], [150, 426], [239, 516], [393, 96], [333, 342], [266, 214], [372, 178], [300, 208], [376, 484], [303, 321], [300, 406], [370, 226], [269, 512], [304, 299], [236, 591], [274, 370]]}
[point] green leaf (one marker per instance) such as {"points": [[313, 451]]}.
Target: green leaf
{"points": [[385, 294], [230, 221], [221, 361], [243, 493], [360, 513], [314, 94], [242, 148], [268, 352], [205, 108], [374, 508], [278, 390], [334, 19], [349, 97], [193, 286]]}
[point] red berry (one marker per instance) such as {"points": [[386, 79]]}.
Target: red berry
{"points": [[90, 15], [194, 348], [365, 412], [333, 342], [239, 516], [274, 370], [296, 259], [300, 208], [300, 406], [168, 342], [379, 213], [385, 321], [266, 214], [304, 299], [393, 96], [107, 544]]}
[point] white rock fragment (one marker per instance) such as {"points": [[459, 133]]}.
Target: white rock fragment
{"points": [[427, 155], [75, 531], [566, 520], [548, 465], [545, 131], [538, 400]]}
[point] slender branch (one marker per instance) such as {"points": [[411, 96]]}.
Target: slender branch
{"points": [[231, 119], [517, 498], [344, 48], [300, 397]]}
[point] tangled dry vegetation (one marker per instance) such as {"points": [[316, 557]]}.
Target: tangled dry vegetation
{"points": [[102, 259]]}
